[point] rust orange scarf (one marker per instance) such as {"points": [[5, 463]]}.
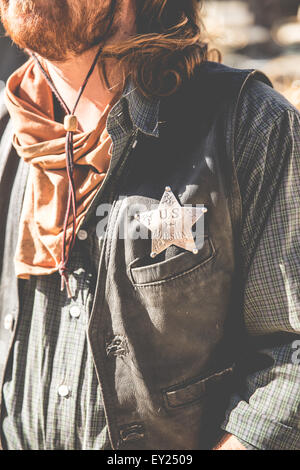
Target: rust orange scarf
{"points": [[40, 141]]}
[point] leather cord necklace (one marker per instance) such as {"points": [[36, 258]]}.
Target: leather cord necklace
{"points": [[70, 125]]}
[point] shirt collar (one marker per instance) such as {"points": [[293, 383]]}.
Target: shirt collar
{"points": [[143, 112]]}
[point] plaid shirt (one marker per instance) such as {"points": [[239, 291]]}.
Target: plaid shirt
{"points": [[51, 395]]}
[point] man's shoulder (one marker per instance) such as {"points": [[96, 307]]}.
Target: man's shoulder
{"points": [[221, 78], [215, 87], [258, 94], [9, 160], [261, 106]]}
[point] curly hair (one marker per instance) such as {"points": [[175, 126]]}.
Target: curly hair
{"points": [[167, 48]]}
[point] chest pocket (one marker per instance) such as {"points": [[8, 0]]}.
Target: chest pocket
{"points": [[177, 263]]}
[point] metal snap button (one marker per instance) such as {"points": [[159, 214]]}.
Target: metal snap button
{"points": [[8, 322], [75, 311], [64, 391], [82, 235]]}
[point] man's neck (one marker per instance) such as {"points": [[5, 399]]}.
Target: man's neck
{"points": [[68, 77]]}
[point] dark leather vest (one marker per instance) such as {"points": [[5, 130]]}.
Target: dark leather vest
{"points": [[164, 333]]}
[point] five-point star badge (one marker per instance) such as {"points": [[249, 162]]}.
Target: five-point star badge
{"points": [[171, 224]]}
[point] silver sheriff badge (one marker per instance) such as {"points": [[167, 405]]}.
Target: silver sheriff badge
{"points": [[171, 224]]}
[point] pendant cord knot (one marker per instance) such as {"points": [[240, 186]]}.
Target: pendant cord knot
{"points": [[64, 274]]}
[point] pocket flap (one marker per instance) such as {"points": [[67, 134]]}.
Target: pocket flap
{"points": [[173, 267], [180, 395]]}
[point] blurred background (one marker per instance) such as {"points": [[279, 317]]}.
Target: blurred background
{"points": [[263, 34]]}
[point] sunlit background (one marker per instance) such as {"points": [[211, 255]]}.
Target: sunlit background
{"points": [[263, 34]]}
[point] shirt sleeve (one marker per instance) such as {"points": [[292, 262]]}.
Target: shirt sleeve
{"points": [[264, 411]]}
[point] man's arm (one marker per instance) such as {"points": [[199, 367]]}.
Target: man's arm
{"points": [[265, 410]]}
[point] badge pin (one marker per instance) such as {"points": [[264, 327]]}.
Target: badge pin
{"points": [[171, 224]]}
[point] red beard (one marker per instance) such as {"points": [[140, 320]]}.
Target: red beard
{"points": [[57, 29]]}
